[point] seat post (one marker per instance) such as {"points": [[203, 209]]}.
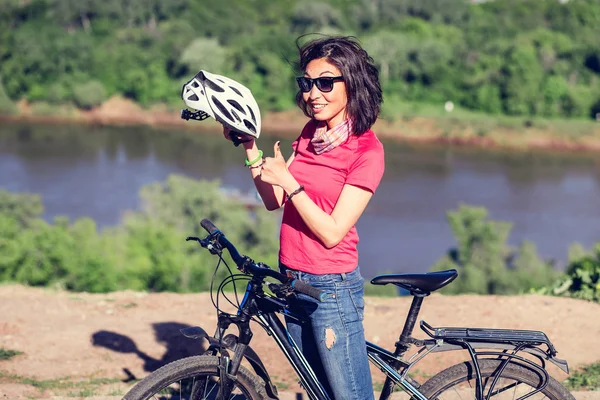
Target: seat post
{"points": [[403, 344]]}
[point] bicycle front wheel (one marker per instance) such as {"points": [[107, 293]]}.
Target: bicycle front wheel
{"points": [[515, 382], [195, 378]]}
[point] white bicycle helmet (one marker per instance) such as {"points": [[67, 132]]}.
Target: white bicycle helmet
{"points": [[223, 99]]}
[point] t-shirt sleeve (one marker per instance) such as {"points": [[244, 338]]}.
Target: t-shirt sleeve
{"points": [[367, 169]]}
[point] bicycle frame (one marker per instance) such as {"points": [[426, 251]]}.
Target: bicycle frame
{"points": [[265, 308], [256, 304]]}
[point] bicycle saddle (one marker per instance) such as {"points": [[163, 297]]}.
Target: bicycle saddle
{"points": [[421, 284]]}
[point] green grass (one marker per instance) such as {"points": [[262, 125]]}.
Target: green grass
{"points": [[76, 387], [588, 378], [6, 354]]}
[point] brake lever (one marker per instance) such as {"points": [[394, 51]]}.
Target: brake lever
{"points": [[212, 246], [282, 291]]}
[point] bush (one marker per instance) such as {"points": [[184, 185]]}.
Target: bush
{"points": [[148, 251], [24, 208], [582, 278], [89, 95], [59, 93]]}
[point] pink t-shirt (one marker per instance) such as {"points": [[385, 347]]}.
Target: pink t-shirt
{"points": [[357, 162]]}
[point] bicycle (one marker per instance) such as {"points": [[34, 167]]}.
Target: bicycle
{"points": [[496, 369]]}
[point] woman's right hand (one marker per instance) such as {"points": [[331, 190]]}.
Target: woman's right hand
{"points": [[227, 133]]}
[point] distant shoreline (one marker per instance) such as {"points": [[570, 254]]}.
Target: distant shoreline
{"points": [[484, 134]]}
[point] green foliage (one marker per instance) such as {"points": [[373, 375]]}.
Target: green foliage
{"points": [[588, 378], [485, 264], [89, 95], [206, 54], [7, 106], [6, 354], [23, 208], [147, 251], [582, 277], [522, 81], [522, 58]]}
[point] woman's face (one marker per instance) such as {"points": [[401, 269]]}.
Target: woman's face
{"points": [[329, 107]]}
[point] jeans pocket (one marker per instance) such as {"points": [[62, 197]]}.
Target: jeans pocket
{"points": [[358, 300]]}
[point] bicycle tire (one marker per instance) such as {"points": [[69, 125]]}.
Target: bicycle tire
{"points": [[191, 373], [450, 383]]}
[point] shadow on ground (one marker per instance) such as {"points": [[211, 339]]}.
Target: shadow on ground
{"points": [[166, 333]]}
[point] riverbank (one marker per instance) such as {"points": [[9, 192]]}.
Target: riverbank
{"points": [[417, 125]]}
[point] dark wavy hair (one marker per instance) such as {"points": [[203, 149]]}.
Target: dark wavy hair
{"points": [[361, 77]]}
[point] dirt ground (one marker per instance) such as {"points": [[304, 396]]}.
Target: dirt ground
{"points": [[96, 345]]}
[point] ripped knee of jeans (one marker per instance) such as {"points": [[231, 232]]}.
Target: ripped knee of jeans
{"points": [[329, 338]]}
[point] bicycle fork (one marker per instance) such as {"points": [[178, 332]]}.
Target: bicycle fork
{"points": [[228, 367]]}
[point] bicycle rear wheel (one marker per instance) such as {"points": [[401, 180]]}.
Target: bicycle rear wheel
{"points": [[195, 378], [515, 381]]}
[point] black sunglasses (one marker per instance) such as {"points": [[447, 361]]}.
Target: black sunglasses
{"points": [[324, 84]]}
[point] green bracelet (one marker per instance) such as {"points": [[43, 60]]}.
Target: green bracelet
{"points": [[257, 159]]}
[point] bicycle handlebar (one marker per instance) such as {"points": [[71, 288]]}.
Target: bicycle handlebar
{"points": [[247, 265]]}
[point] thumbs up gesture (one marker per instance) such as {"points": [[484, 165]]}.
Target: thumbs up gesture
{"points": [[274, 169]]}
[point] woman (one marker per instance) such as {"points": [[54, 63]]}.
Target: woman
{"points": [[336, 166]]}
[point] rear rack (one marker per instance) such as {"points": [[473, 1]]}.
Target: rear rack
{"points": [[514, 341], [512, 336]]}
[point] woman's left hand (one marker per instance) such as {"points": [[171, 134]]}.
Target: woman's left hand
{"points": [[274, 169]]}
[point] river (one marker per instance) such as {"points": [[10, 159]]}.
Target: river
{"points": [[552, 200]]}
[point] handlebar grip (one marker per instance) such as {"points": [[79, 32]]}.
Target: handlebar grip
{"points": [[309, 290], [209, 226]]}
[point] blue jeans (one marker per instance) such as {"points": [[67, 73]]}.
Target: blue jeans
{"points": [[333, 338]]}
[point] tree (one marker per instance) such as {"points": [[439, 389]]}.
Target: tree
{"points": [[480, 253], [522, 80], [485, 264], [315, 16], [6, 104], [206, 54], [390, 51]]}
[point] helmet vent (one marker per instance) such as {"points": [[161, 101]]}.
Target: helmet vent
{"points": [[213, 86], [236, 116], [236, 91], [249, 125], [195, 84], [237, 106], [193, 97], [252, 114], [222, 108]]}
